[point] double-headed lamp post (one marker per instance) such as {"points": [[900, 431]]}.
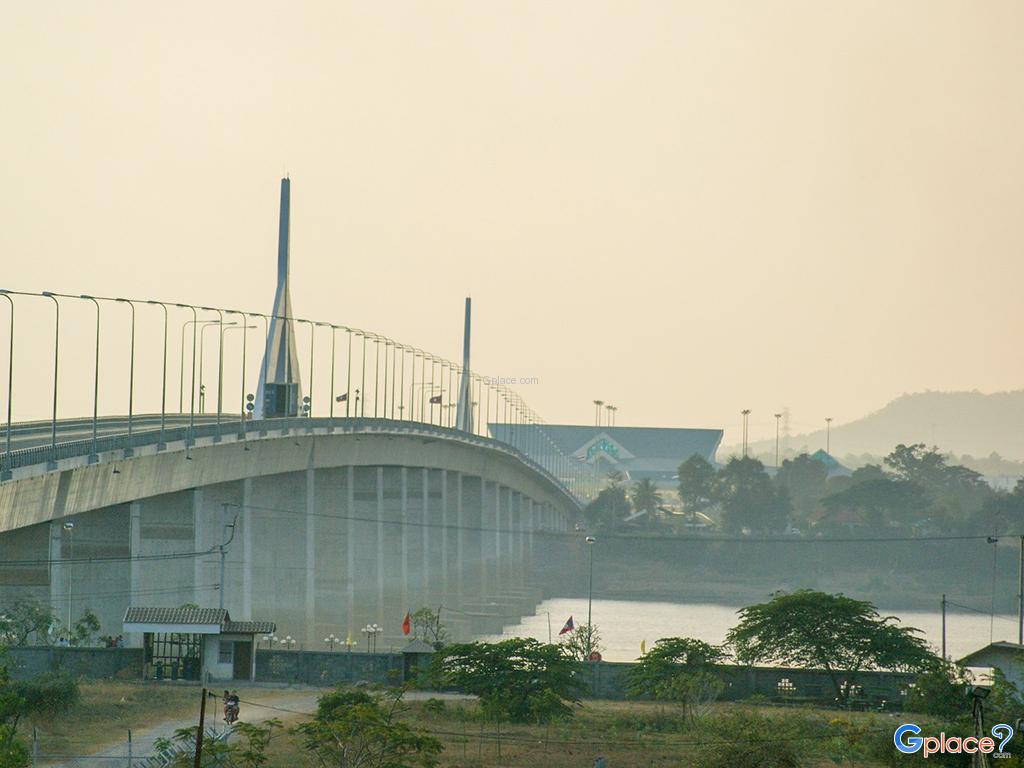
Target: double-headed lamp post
{"points": [[590, 595]]}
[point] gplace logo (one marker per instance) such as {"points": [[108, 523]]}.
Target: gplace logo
{"points": [[908, 740]]}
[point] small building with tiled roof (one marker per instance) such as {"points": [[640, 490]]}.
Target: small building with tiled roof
{"points": [[192, 643]]}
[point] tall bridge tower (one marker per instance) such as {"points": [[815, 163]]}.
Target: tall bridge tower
{"points": [[280, 388]]}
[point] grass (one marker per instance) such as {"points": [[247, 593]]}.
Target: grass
{"points": [[105, 713], [632, 735]]}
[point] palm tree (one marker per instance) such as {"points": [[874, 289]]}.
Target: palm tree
{"points": [[646, 498]]}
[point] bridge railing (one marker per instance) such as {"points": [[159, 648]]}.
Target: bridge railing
{"points": [[371, 377]]}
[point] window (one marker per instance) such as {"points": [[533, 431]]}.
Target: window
{"points": [[226, 652]]}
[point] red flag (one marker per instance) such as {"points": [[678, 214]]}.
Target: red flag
{"points": [[406, 628], [569, 627]]}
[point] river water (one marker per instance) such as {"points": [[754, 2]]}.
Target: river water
{"points": [[623, 624]]}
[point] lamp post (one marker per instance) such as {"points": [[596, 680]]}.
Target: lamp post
{"points": [[241, 408], [361, 409], [56, 360], [131, 368], [312, 340], [163, 378], [828, 435], [5, 471], [597, 412], [181, 366], [745, 413], [288, 642], [192, 388], [220, 365], [330, 640], [371, 631], [69, 526], [348, 375], [590, 595], [333, 329], [94, 456]]}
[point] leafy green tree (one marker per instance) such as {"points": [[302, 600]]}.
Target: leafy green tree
{"points": [[427, 626], [680, 670], [86, 628], [645, 498], [749, 500], [352, 729], [835, 633], [248, 751], [805, 481], [940, 690], [582, 641], [696, 483], [517, 679], [609, 508], [880, 498], [24, 618]]}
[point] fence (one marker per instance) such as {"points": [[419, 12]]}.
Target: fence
{"points": [[129, 752], [608, 680], [28, 661], [323, 668]]}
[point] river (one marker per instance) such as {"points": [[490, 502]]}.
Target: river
{"points": [[623, 624]]}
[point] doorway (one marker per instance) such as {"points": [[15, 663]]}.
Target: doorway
{"points": [[242, 663]]}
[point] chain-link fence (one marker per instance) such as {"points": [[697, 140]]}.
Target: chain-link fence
{"points": [[152, 751]]}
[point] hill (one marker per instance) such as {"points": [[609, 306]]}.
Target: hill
{"points": [[965, 423]]}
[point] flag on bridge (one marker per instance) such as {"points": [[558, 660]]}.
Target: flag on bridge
{"points": [[569, 627], [406, 627], [342, 398], [435, 400]]}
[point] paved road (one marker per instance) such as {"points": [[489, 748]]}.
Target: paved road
{"points": [[32, 434]]}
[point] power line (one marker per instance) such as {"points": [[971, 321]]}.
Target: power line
{"points": [[578, 535]]}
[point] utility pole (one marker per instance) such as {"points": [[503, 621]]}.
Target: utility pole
{"points": [[828, 435], [199, 732], [224, 551], [943, 626], [1020, 595]]}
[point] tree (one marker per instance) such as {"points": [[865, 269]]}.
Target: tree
{"points": [[646, 498], [352, 729], [86, 628], [426, 625], [517, 679], [804, 480], [23, 618], [608, 509], [681, 670], [835, 633], [581, 642], [179, 750], [881, 498], [749, 501], [696, 483]]}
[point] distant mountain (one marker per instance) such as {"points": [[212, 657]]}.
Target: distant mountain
{"points": [[965, 423]]}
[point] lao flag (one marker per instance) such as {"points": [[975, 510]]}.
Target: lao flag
{"points": [[569, 627], [435, 400], [342, 398], [405, 625]]}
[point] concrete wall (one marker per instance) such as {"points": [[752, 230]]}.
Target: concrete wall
{"points": [[330, 532], [120, 663]]}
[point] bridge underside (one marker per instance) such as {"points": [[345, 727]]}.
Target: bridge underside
{"points": [[331, 531]]}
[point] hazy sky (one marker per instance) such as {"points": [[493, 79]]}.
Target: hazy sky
{"points": [[684, 208]]}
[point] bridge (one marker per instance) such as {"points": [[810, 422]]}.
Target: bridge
{"points": [[371, 502]]}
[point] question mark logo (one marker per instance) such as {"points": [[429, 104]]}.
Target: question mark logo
{"points": [[1004, 732]]}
